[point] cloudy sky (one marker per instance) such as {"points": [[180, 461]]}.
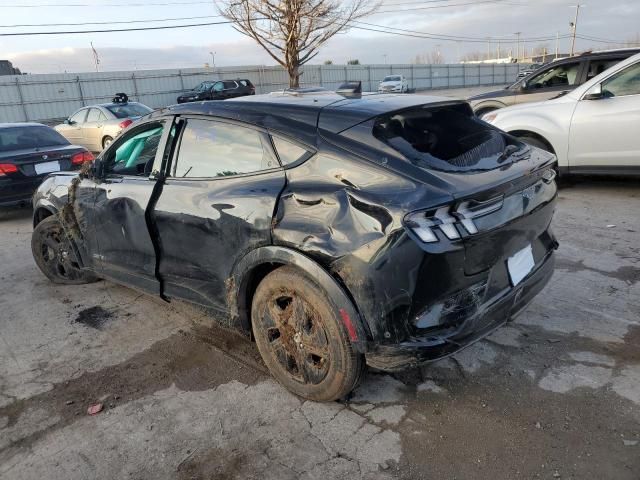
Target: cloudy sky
{"points": [[604, 22]]}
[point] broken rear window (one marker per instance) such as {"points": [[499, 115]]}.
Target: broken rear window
{"points": [[447, 137]]}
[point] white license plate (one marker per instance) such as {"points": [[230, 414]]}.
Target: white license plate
{"points": [[520, 264], [47, 167]]}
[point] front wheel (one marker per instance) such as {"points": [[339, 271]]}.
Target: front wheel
{"points": [[301, 337], [106, 141], [52, 253]]}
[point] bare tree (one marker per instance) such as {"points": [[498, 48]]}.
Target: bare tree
{"points": [[292, 31], [435, 57], [473, 56]]}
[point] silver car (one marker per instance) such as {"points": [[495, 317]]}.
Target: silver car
{"points": [[96, 126], [552, 80], [393, 84], [592, 130]]}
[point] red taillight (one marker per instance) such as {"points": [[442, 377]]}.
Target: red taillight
{"points": [[82, 157], [125, 123], [7, 168]]}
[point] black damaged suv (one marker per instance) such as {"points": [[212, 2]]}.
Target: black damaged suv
{"points": [[389, 230]]}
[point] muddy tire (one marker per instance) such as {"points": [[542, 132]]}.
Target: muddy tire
{"points": [[302, 339], [53, 255]]}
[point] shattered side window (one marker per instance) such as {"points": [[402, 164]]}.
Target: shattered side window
{"points": [[288, 152], [215, 149]]}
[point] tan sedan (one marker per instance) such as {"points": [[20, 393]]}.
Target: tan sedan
{"points": [[96, 126]]}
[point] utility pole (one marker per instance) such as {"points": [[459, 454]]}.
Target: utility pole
{"points": [[557, 40], [488, 49], [518, 47], [213, 59], [498, 49], [575, 27]]}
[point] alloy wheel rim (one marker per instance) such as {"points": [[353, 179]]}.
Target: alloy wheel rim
{"points": [[297, 338], [57, 257]]}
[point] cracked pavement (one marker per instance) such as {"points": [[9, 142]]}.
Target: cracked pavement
{"points": [[554, 394]]}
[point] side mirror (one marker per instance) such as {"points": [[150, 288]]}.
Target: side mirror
{"points": [[67, 121], [594, 93]]}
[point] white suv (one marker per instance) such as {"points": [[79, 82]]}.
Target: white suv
{"points": [[591, 130]]}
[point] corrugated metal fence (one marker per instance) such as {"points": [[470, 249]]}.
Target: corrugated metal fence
{"points": [[54, 96]]}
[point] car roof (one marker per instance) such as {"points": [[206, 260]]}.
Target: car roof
{"points": [[111, 104], [327, 110], [21, 124]]}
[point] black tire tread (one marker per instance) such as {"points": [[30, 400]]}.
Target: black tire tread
{"points": [[354, 367]]}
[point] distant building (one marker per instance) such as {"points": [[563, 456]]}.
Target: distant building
{"points": [[6, 68]]}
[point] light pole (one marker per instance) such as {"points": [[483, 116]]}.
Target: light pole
{"points": [[574, 24], [213, 59], [384, 55]]}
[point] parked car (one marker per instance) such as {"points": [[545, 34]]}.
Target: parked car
{"points": [[393, 83], [528, 70], [28, 153], [96, 126], [552, 80], [388, 229], [218, 90], [593, 129]]}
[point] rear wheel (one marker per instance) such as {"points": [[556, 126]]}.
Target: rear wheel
{"points": [[106, 141], [301, 337], [52, 253]]}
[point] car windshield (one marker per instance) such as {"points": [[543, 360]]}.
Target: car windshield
{"points": [[127, 110], [203, 86], [447, 138], [391, 78], [23, 138]]}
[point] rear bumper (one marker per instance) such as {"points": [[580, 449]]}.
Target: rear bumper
{"points": [[425, 349], [17, 192]]}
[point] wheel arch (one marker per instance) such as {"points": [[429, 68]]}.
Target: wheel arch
{"points": [[40, 212], [530, 133], [487, 104], [104, 137], [258, 263]]}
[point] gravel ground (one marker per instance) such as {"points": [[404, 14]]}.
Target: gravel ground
{"points": [[555, 394]]}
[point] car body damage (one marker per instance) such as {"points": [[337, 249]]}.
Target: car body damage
{"points": [[412, 257]]}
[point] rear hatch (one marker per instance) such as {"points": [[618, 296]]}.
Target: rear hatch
{"points": [[501, 191]]}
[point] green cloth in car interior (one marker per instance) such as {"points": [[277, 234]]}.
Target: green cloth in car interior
{"points": [[131, 149]]}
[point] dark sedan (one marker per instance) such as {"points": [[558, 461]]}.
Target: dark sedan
{"points": [[220, 90], [28, 153], [389, 230]]}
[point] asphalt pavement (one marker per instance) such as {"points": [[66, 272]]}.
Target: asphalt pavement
{"points": [[555, 394]]}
